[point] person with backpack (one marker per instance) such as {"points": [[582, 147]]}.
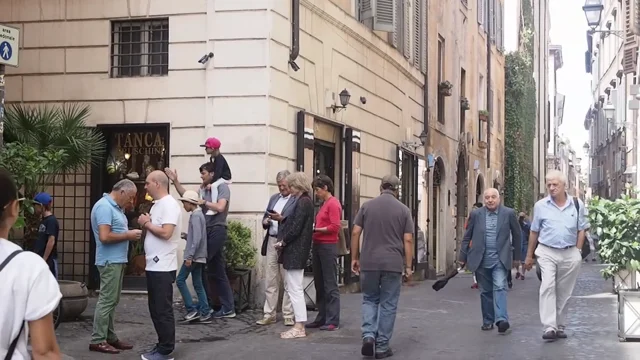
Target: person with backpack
{"points": [[558, 226], [30, 293]]}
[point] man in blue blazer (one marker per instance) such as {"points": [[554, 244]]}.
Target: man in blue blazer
{"points": [[487, 250], [280, 206]]}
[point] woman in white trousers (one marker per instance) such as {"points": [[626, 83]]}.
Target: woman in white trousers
{"points": [[294, 245]]}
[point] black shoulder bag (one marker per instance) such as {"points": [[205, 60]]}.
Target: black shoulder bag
{"points": [[586, 249], [14, 343]]}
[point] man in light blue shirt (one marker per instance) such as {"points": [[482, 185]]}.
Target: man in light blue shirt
{"points": [[112, 235], [558, 226]]}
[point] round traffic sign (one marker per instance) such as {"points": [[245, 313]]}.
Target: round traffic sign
{"points": [[5, 50]]}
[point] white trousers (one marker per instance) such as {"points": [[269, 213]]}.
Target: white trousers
{"points": [[273, 275], [293, 286], [560, 269]]}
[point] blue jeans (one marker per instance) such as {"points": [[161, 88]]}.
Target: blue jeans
{"points": [[493, 293], [380, 293], [196, 271]]}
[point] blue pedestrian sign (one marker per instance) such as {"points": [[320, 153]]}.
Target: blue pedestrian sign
{"points": [[5, 51], [9, 43]]}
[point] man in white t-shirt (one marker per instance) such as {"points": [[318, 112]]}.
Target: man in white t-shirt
{"points": [[160, 247]]}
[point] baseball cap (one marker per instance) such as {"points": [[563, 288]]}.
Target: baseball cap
{"points": [[42, 198], [391, 180], [212, 143], [190, 196]]}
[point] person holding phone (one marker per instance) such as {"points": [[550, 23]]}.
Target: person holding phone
{"points": [[280, 206]]}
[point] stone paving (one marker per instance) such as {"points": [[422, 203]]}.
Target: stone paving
{"points": [[430, 325]]}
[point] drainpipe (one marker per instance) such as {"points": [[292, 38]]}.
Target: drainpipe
{"points": [[489, 100], [427, 149], [295, 34]]}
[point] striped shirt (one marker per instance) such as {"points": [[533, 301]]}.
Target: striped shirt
{"points": [[490, 258]]}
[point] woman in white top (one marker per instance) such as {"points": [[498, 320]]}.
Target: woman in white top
{"points": [[29, 293]]}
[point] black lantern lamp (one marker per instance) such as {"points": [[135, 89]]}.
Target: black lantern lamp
{"points": [[423, 137], [586, 148], [593, 12], [609, 111], [344, 101]]}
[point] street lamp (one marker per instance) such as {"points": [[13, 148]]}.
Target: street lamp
{"points": [[344, 101], [593, 11], [609, 111], [586, 148]]}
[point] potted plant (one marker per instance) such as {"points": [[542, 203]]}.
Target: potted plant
{"points": [[464, 104], [240, 254], [483, 115], [617, 224], [445, 88], [482, 144]]}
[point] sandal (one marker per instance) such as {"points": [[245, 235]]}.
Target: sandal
{"points": [[293, 334]]}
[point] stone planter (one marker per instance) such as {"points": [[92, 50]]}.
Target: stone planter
{"points": [[628, 314], [75, 298]]}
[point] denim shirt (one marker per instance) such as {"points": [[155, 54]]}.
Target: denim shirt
{"points": [[491, 257]]}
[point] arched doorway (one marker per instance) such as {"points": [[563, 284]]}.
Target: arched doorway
{"points": [[479, 188], [438, 180], [461, 198]]}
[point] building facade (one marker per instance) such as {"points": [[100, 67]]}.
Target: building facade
{"points": [[557, 99], [611, 58], [160, 79], [542, 27]]}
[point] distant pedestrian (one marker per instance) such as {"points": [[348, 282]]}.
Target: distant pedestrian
{"points": [[559, 224], [195, 259], [491, 256], [29, 292], [294, 244], [592, 237], [47, 242], [387, 252], [477, 205], [324, 253], [221, 170], [160, 248], [112, 235], [525, 225], [280, 206]]}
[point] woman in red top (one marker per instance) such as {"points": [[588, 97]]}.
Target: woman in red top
{"points": [[325, 252]]}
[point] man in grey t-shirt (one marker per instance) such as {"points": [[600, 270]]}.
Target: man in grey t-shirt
{"points": [[387, 250]]}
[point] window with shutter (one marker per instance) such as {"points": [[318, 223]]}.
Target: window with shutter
{"points": [[480, 11], [492, 19], [630, 55], [378, 14], [423, 37], [406, 26], [417, 24], [500, 27], [396, 35]]}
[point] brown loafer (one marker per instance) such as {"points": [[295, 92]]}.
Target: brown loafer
{"points": [[103, 348], [120, 345]]}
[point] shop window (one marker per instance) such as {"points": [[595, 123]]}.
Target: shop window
{"points": [[140, 48]]}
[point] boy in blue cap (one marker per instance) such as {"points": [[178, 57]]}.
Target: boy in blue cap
{"points": [[46, 244]]}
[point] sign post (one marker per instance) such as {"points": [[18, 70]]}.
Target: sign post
{"points": [[9, 43]]}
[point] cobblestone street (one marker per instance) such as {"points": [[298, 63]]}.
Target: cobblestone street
{"points": [[430, 325]]}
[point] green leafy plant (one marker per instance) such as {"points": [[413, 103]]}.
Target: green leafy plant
{"points": [[29, 167], [239, 250], [617, 224]]}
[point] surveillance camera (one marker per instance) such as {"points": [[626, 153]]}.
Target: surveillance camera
{"points": [[203, 60], [363, 100]]}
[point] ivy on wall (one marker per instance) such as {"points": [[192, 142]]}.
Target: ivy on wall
{"points": [[520, 117]]}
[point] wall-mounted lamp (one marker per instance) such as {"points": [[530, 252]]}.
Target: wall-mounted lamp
{"points": [[205, 58], [609, 111], [344, 101], [423, 137], [593, 12], [127, 156]]}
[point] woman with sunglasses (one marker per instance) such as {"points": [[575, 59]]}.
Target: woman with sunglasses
{"points": [[29, 293]]}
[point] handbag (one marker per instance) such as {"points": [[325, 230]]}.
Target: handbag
{"points": [[14, 343]]}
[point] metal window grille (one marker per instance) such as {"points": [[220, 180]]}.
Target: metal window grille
{"points": [[71, 206], [140, 48]]}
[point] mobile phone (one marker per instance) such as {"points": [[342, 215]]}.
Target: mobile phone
{"points": [[270, 211]]}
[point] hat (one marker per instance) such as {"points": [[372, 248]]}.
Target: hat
{"points": [[212, 143], [190, 196], [391, 180], [42, 198]]}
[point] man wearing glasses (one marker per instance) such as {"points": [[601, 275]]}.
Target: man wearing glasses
{"points": [[112, 235]]}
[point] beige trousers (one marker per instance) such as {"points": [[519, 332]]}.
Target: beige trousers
{"points": [[274, 275], [560, 269]]}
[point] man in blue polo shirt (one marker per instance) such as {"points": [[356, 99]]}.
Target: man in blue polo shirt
{"points": [[112, 235]]}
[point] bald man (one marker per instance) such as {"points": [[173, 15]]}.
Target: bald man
{"points": [[160, 247], [492, 229]]}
